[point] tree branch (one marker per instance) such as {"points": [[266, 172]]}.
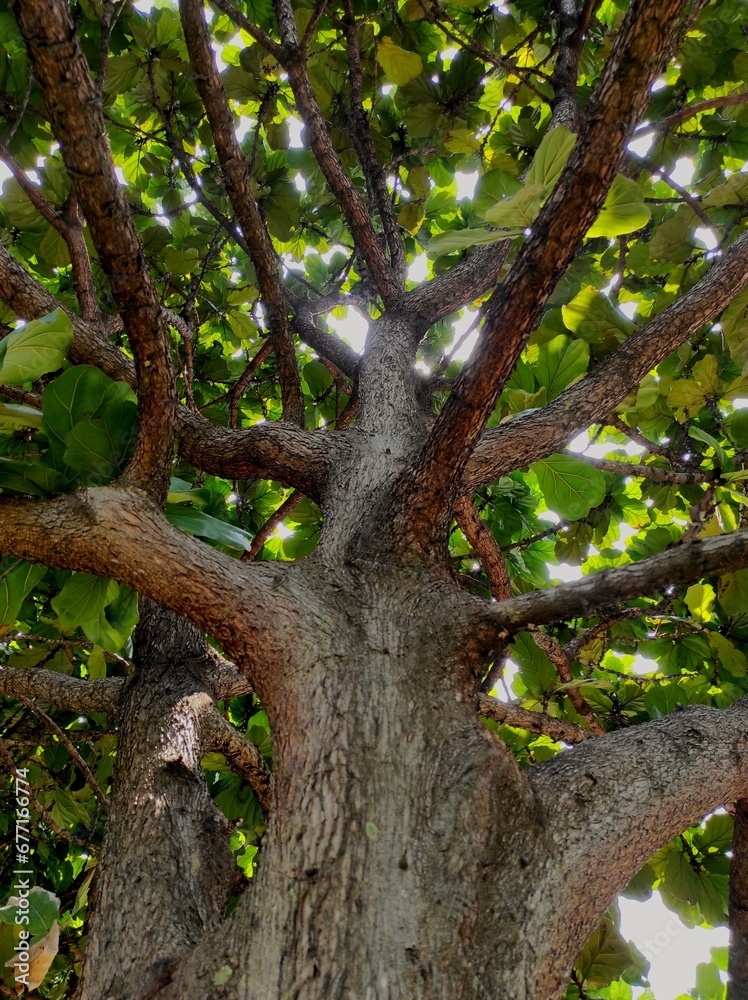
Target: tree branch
{"points": [[696, 109], [367, 154], [218, 735], [610, 803], [69, 226], [65, 742], [236, 176], [618, 102], [531, 722], [561, 662], [280, 451], [680, 564], [113, 532], [652, 472], [341, 185], [61, 691], [74, 108], [529, 438], [485, 546]]}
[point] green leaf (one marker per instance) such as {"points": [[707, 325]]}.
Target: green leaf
{"points": [[15, 415], [733, 592], [550, 158], [206, 526], [537, 673], [520, 211], [43, 910], [17, 579], [462, 239], [399, 65], [606, 957], [594, 318], [624, 210], [37, 348], [571, 487], [82, 599], [90, 422], [561, 361], [735, 328], [699, 599]]}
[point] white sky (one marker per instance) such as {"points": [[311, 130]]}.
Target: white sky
{"points": [[673, 950]]}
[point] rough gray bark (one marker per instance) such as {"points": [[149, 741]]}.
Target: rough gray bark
{"points": [[165, 856]]}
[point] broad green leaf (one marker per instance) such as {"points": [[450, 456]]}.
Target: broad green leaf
{"points": [[731, 658], [82, 599], [735, 328], [17, 579], [520, 211], [561, 362], [571, 487], [17, 415], [550, 158], [43, 910], [624, 210], [206, 526], [594, 318], [37, 348], [733, 592], [399, 65], [90, 422], [462, 239], [699, 600], [537, 673], [687, 396], [606, 957]]}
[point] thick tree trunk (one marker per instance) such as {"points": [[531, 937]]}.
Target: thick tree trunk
{"points": [[379, 873]]}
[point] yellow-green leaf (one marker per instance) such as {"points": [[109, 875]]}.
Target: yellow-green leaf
{"points": [[624, 210], [700, 600], [399, 65]]}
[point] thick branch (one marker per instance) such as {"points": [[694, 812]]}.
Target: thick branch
{"points": [[529, 438], [614, 109], [367, 154], [74, 107], [236, 176], [459, 286], [110, 531], [609, 804], [485, 546], [163, 827], [68, 693], [680, 564]]}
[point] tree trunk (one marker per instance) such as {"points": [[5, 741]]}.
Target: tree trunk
{"points": [[379, 873]]}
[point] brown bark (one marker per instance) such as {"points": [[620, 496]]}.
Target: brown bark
{"points": [[74, 109], [166, 871], [619, 100]]}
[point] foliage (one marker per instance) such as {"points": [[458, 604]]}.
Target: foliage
{"points": [[451, 92]]}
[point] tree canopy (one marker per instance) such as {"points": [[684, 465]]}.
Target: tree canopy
{"points": [[537, 212]]}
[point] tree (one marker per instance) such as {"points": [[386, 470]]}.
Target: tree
{"points": [[178, 393]]}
